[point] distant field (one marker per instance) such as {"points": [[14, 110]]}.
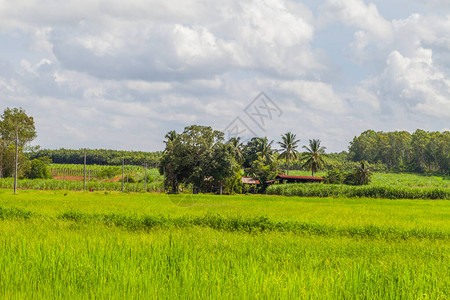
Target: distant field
{"points": [[59, 244], [405, 179]]}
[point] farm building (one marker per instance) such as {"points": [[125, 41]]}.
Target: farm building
{"points": [[295, 179], [250, 184], [250, 180]]}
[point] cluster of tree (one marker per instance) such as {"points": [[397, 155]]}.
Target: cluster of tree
{"points": [[200, 156], [98, 157], [421, 151]]}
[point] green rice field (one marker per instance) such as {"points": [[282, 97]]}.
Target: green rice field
{"points": [[66, 244]]}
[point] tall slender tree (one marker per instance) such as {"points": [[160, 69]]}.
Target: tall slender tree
{"points": [[314, 157], [289, 148], [265, 151], [238, 149]]}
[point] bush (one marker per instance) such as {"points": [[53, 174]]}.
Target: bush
{"points": [[39, 169], [335, 176]]}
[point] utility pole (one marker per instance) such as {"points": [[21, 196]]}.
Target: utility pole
{"points": [[164, 179], [84, 180], [145, 177], [123, 164], [16, 161]]}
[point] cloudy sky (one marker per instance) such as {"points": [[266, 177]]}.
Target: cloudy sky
{"points": [[120, 74]]}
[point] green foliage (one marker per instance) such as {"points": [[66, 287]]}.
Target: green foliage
{"points": [[422, 151], [98, 157], [258, 148], [16, 130], [262, 171], [363, 173], [237, 149], [108, 172], [15, 123], [53, 184], [335, 176], [289, 148], [368, 191], [39, 168], [198, 156], [410, 180], [233, 184], [314, 157]]}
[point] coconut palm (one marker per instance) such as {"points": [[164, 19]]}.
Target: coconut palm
{"points": [[363, 172], [170, 136], [265, 150], [314, 157], [288, 146], [237, 147]]}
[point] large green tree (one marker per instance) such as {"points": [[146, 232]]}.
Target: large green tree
{"points": [[196, 156], [17, 128], [314, 157], [288, 146]]}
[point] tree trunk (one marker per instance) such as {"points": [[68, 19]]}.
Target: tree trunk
{"points": [[16, 163], [288, 166], [123, 164], [1, 161], [221, 188], [84, 178]]}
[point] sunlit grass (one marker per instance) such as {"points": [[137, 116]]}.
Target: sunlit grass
{"points": [[63, 244]]}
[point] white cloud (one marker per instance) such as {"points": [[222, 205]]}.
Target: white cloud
{"points": [[415, 80], [317, 95], [356, 13], [120, 74]]}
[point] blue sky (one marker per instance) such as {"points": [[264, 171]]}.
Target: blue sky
{"points": [[119, 75]]}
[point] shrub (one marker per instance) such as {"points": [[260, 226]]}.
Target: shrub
{"points": [[334, 176], [39, 169]]}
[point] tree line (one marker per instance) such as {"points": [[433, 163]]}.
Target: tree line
{"points": [[200, 157], [98, 156], [422, 151]]}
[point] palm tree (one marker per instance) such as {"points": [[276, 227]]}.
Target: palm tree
{"points": [[314, 158], [237, 147], [289, 145], [363, 172], [170, 136], [265, 150]]}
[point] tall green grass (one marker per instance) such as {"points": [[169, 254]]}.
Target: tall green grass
{"points": [[411, 180], [59, 244], [52, 184], [258, 224], [369, 191]]}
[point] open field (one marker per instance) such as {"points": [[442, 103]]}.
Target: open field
{"points": [[403, 179], [112, 245]]}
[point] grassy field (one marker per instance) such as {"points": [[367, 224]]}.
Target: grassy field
{"points": [[397, 179], [111, 245]]}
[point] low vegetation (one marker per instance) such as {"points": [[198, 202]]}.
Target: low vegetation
{"points": [[59, 244], [368, 191]]}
